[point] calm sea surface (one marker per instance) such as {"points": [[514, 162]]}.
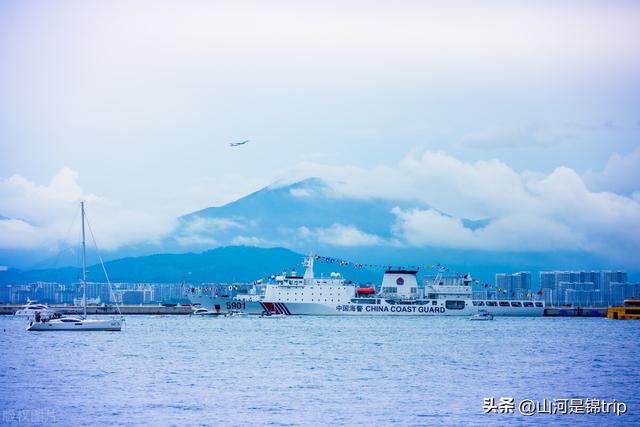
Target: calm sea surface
{"points": [[178, 370]]}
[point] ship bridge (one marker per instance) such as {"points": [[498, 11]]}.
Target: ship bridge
{"points": [[443, 287], [400, 284]]}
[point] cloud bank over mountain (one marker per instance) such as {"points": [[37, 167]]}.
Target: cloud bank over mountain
{"points": [[527, 211], [621, 174], [429, 199], [47, 216]]}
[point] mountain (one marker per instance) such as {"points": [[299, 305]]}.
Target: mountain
{"points": [[286, 215], [307, 216]]}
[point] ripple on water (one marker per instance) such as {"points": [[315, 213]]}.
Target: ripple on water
{"points": [[313, 370]]}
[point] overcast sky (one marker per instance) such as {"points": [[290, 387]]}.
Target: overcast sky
{"points": [[135, 103]]}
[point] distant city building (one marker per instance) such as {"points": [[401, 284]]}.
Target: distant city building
{"points": [[66, 296], [5, 294], [90, 301], [57, 293], [581, 288], [513, 286], [167, 292], [577, 294], [581, 298], [139, 294], [622, 291], [609, 277], [45, 292]]}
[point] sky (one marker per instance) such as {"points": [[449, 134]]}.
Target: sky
{"points": [[528, 111]]}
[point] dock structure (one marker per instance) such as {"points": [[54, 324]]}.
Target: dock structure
{"points": [[575, 312]]}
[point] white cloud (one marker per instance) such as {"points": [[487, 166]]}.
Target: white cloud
{"points": [[199, 225], [38, 204], [196, 240], [621, 174], [532, 135], [511, 136], [343, 235], [203, 231], [528, 211], [515, 232], [304, 232], [251, 241], [299, 192], [18, 234], [42, 216]]}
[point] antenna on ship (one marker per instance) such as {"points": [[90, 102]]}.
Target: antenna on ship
{"points": [[308, 264]]}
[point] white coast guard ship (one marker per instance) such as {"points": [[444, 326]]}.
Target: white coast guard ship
{"points": [[399, 295]]}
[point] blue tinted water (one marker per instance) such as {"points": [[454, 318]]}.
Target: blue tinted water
{"points": [[315, 370]]}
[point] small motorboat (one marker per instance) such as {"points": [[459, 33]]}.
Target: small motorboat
{"points": [[201, 311], [235, 313], [271, 314], [481, 315]]}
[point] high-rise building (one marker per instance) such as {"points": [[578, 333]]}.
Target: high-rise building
{"points": [[555, 284], [576, 294], [513, 286], [522, 284], [45, 292], [609, 277], [5, 294], [622, 291]]}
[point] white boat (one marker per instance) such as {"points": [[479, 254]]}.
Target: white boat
{"points": [[399, 295], [58, 323], [75, 324], [201, 311], [271, 315], [481, 315], [235, 313], [29, 311]]}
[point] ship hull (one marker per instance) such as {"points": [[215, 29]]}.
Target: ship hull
{"points": [[223, 305], [77, 325], [348, 309]]}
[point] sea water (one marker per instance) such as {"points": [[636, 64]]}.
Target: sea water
{"points": [[186, 370]]}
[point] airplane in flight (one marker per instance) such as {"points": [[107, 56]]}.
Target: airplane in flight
{"points": [[236, 144]]}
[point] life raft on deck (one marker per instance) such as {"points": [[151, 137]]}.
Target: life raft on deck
{"points": [[365, 291]]}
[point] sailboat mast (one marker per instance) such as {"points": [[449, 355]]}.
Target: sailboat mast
{"points": [[84, 264]]}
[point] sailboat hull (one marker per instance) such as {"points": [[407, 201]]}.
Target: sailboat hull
{"points": [[66, 324]]}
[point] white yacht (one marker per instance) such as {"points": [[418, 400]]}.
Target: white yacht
{"points": [[399, 295], [59, 323], [481, 315], [201, 311], [29, 311], [235, 313], [75, 324]]}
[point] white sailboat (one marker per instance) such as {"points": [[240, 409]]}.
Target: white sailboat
{"points": [[77, 323]]}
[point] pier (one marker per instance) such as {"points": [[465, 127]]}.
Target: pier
{"points": [[575, 312]]}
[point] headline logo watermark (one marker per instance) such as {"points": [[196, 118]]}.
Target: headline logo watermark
{"points": [[530, 407], [39, 416]]}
